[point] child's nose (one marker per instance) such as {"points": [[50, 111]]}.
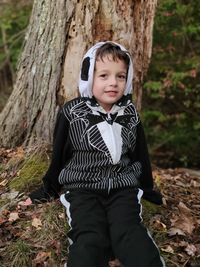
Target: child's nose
{"points": [[113, 80]]}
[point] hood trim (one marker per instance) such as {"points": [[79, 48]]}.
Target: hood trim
{"points": [[87, 71]]}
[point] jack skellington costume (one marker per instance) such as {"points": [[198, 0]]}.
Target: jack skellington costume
{"points": [[95, 149]]}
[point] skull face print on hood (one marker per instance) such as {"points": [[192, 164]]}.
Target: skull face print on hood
{"points": [[87, 71]]}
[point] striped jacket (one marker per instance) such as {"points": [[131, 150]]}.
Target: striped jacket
{"points": [[98, 150], [94, 149]]}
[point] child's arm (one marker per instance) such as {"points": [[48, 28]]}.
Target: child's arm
{"points": [[61, 153], [146, 178], [142, 155]]}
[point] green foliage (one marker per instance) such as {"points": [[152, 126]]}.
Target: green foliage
{"points": [[14, 20], [171, 92]]}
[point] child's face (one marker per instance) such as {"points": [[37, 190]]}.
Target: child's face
{"points": [[109, 81]]}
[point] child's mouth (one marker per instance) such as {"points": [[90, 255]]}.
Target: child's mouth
{"points": [[111, 93]]}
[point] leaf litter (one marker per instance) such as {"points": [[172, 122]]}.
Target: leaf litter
{"points": [[37, 233]]}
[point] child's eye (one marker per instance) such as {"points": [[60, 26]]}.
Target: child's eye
{"points": [[103, 76], [122, 77]]}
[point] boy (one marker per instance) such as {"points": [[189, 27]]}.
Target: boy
{"points": [[100, 137]]}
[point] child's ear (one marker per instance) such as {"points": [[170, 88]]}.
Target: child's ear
{"points": [[85, 69]]}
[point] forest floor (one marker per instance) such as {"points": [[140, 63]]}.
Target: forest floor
{"points": [[35, 235]]}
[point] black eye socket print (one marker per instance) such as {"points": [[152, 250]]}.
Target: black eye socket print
{"points": [[85, 69]]}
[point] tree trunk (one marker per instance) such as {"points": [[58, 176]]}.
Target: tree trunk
{"points": [[58, 35]]}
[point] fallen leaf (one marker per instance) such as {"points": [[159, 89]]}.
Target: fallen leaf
{"points": [[20, 152], [2, 220], [182, 244], [36, 222], [4, 182], [41, 258], [168, 249], [5, 212], [27, 202], [198, 248], [164, 201], [186, 224], [61, 215], [158, 224], [4, 175], [191, 250], [184, 220], [183, 208], [57, 245], [13, 216], [175, 231]]}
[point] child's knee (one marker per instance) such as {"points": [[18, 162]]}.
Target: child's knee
{"points": [[92, 249]]}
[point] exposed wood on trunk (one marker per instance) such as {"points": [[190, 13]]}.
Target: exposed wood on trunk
{"points": [[141, 42], [59, 34]]}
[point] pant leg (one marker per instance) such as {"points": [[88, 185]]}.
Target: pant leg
{"points": [[130, 240], [89, 230]]}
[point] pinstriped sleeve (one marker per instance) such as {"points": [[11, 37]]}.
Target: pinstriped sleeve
{"points": [[61, 152], [142, 155]]}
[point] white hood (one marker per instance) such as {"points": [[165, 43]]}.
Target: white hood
{"points": [[87, 71]]}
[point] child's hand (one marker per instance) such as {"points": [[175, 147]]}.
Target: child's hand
{"points": [[42, 195], [153, 196], [115, 263]]}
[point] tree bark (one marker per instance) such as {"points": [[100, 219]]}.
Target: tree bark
{"points": [[59, 33]]}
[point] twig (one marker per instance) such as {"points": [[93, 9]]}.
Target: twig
{"points": [[14, 38], [185, 34], [7, 51], [175, 264]]}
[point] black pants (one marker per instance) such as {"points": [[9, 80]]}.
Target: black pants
{"points": [[101, 222]]}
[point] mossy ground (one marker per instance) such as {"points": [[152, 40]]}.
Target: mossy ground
{"points": [[31, 170]]}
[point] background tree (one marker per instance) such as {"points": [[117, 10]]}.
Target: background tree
{"points": [[171, 106], [14, 16], [59, 33]]}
